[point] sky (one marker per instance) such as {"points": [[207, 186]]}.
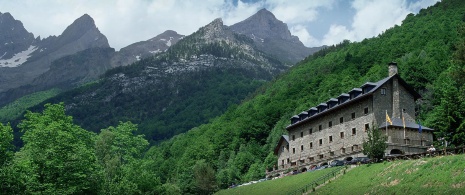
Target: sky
{"points": [[123, 22]]}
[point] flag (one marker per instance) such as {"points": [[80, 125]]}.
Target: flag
{"points": [[388, 119], [419, 127], [403, 121]]}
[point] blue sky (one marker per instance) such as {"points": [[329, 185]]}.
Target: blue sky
{"points": [[315, 22]]}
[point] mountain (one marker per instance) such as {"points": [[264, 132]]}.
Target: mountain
{"points": [[80, 54], [15, 41], [195, 80], [273, 37], [30, 58], [144, 49], [269, 35]]}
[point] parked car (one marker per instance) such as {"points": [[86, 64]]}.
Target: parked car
{"points": [[336, 163], [362, 160]]}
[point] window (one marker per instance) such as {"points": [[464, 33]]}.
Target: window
{"points": [[353, 115], [288, 160], [342, 135], [293, 150], [320, 127], [341, 120], [331, 153], [355, 147], [282, 162], [293, 137], [367, 127], [383, 91], [403, 110], [302, 148], [311, 145], [343, 150], [311, 159], [282, 149], [321, 156], [310, 131], [330, 138], [321, 142], [354, 131], [302, 134], [330, 123], [365, 111]]}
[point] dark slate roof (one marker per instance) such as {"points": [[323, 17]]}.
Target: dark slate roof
{"points": [[333, 100], [355, 89], [312, 108], [368, 83], [377, 85], [283, 138], [397, 122]]}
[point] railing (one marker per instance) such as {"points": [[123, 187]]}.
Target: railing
{"points": [[412, 142], [438, 152], [318, 181]]}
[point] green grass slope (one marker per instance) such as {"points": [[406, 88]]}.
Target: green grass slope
{"points": [[278, 186], [438, 175], [14, 109]]}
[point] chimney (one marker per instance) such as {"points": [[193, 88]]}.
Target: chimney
{"points": [[392, 68]]}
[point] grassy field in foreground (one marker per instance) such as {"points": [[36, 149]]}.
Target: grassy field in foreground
{"points": [[278, 186], [438, 175]]}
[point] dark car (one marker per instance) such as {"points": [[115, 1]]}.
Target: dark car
{"points": [[362, 160], [335, 163]]}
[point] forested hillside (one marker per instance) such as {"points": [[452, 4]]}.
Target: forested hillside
{"points": [[237, 146]]}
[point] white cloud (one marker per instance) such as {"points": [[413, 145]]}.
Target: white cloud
{"points": [[372, 18], [304, 36], [299, 11]]}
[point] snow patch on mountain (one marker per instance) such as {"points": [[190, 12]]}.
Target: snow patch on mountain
{"points": [[168, 43], [155, 51], [18, 58]]}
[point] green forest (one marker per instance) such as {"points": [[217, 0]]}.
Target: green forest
{"points": [[59, 156]]}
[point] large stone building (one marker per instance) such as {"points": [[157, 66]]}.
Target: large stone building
{"points": [[337, 128]]}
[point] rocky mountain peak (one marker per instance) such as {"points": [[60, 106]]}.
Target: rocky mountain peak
{"points": [[14, 38], [264, 24], [84, 28], [268, 32], [215, 30]]}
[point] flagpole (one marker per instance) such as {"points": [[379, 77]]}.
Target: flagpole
{"points": [[403, 121], [386, 124]]}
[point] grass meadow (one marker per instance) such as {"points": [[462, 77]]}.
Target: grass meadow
{"points": [[436, 175], [278, 186]]}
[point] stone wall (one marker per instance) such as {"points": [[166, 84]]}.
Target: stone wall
{"points": [[336, 140]]}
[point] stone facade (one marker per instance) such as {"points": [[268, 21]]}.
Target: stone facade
{"points": [[336, 129]]}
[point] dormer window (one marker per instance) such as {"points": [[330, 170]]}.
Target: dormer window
{"points": [[368, 87], [355, 93], [383, 91]]}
